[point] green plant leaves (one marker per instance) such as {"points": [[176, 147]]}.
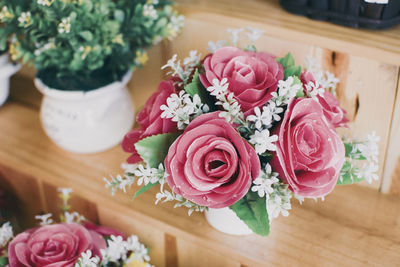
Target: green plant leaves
{"points": [[347, 175], [154, 149], [143, 189], [196, 88], [252, 210], [289, 66]]}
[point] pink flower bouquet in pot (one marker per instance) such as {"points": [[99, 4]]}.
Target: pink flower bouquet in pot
{"points": [[74, 242], [240, 132]]}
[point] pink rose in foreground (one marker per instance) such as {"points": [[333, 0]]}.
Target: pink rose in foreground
{"points": [[150, 121], [103, 230], [252, 76], [210, 163], [58, 245], [309, 154], [335, 115]]}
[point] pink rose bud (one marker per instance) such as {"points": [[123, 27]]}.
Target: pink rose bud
{"points": [[252, 76], [210, 163], [309, 154]]}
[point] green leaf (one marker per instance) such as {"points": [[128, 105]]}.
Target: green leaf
{"points": [[296, 80], [347, 175], [142, 190], [193, 87], [252, 210], [87, 35], [289, 66], [153, 149], [3, 261]]}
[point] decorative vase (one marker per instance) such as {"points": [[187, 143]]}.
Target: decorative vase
{"points": [[226, 221], [7, 69], [87, 122]]}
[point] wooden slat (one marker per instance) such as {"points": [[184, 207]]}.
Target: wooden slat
{"points": [[392, 164], [355, 226], [382, 46]]}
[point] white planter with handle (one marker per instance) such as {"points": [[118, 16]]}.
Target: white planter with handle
{"points": [[7, 69], [226, 221], [87, 122]]}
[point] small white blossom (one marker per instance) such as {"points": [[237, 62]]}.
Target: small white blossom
{"points": [[6, 234], [214, 46], [261, 119], [254, 34], [369, 172], [147, 175], [25, 19], [5, 14], [119, 183], [218, 87], [65, 192], [73, 217], [274, 110], [263, 184], [370, 149], [193, 60], [183, 72], [314, 89], [182, 108], [45, 2], [87, 260], [279, 201], [65, 25], [175, 25], [150, 11], [235, 35], [286, 91], [44, 219], [326, 79], [263, 141]]}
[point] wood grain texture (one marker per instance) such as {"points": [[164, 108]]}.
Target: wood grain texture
{"points": [[382, 46], [355, 226], [392, 165]]}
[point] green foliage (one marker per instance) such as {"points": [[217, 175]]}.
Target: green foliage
{"points": [[289, 66], [153, 149], [251, 209], [347, 174], [3, 261], [144, 189], [196, 88], [84, 44], [300, 92]]}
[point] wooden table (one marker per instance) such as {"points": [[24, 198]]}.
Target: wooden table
{"points": [[354, 226]]}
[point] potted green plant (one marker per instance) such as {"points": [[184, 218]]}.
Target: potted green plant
{"points": [[84, 52]]}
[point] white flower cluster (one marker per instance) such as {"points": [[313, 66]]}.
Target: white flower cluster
{"points": [[233, 112], [45, 219], [253, 34], [183, 72], [263, 141], [182, 108], [143, 173], [370, 150], [325, 78], [42, 48], [86, 260], [174, 26], [45, 2], [6, 234], [73, 217], [166, 196], [277, 194], [5, 14], [150, 11], [214, 46], [65, 25], [119, 249], [314, 89], [25, 19], [287, 89]]}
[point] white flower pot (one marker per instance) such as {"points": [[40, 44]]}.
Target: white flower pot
{"points": [[226, 221], [7, 69], [87, 122]]}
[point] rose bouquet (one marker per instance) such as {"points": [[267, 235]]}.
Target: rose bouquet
{"points": [[74, 242], [246, 130]]}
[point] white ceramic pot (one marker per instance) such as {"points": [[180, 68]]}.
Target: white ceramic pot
{"points": [[226, 221], [87, 122], [7, 69]]}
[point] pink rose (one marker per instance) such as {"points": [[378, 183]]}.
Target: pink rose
{"points": [[150, 121], [309, 154], [335, 115], [210, 163], [102, 230], [252, 76], [58, 245]]}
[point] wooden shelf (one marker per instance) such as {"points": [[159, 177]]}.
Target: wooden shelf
{"points": [[382, 46]]}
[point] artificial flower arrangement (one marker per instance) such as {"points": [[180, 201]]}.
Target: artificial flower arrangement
{"points": [[246, 130], [85, 44], [74, 242]]}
